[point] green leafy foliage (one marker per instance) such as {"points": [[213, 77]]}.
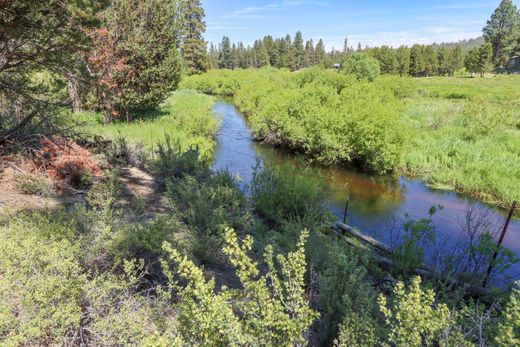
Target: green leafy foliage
{"points": [[330, 117], [409, 254], [508, 333], [272, 308], [41, 284], [413, 318], [362, 66], [357, 331], [278, 195], [345, 297], [208, 206]]}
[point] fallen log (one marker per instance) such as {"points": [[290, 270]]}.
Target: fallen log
{"points": [[365, 238], [383, 256]]}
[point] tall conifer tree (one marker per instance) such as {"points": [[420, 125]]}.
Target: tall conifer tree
{"points": [[319, 52], [194, 48], [503, 31], [298, 50]]}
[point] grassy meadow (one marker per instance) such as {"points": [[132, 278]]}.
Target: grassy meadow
{"points": [[466, 136], [186, 117], [454, 133]]}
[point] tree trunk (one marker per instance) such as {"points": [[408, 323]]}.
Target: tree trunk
{"points": [[107, 116], [74, 91]]}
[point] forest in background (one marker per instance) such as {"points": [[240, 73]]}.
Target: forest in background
{"points": [[124, 237]]}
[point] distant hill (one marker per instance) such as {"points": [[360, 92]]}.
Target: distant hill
{"points": [[464, 44]]}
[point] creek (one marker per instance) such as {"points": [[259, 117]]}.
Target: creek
{"points": [[378, 205]]}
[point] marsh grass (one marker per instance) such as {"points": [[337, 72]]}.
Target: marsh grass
{"points": [[466, 136], [185, 117]]}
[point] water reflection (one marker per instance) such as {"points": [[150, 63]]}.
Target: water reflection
{"points": [[377, 206]]}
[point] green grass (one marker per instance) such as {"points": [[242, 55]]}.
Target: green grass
{"points": [[186, 117], [466, 136]]}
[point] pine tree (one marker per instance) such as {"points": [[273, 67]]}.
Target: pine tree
{"points": [[298, 51], [417, 61], [443, 61], [503, 32], [455, 60], [146, 37], [225, 54], [290, 60], [345, 45], [309, 53], [387, 60], [234, 64], [430, 60], [271, 49], [193, 48], [478, 59], [213, 57], [262, 57], [403, 60], [319, 52]]}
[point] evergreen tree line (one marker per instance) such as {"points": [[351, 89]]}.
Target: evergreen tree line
{"points": [[286, 52], [296, 53], [501, 41]]}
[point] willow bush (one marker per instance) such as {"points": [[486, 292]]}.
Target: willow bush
{"points": [[331, 117]]}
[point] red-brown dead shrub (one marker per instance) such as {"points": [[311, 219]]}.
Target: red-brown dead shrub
{"points": [[63, 160]]}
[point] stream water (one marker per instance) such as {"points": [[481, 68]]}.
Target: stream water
{"points": [[378, 205]]}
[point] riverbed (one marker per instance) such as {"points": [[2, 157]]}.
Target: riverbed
{"points": [[378, 205]]}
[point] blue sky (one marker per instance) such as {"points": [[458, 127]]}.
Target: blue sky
{"points": [[370, 22]]}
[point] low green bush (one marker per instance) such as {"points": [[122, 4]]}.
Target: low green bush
{"points": [[208, 206], [279, 196], [345, 294], [34, 185], [362, 66]]}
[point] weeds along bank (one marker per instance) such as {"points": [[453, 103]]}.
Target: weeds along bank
{"points": [[216, 268], [456, 133], [186, 117]]}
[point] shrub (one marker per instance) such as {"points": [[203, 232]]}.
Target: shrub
{"points": [[508, 333], [278, 195], [34, 185], [41, 284], [357, 331], [345, 296], [270, 309], [330, 117], [362, 66], [173, 161], [413, 318], [207, 206]]}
